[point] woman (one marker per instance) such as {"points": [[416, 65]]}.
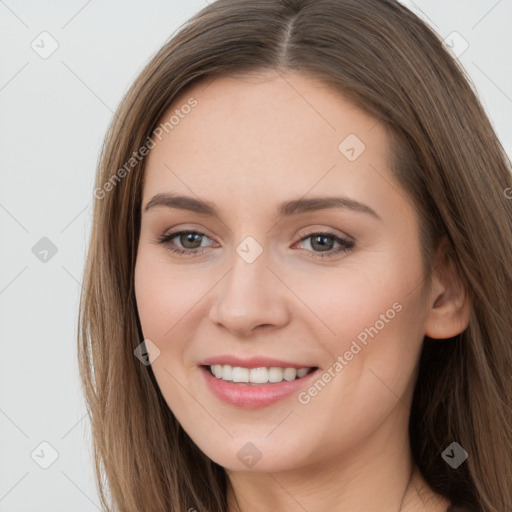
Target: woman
{"points": [[230, 365]]}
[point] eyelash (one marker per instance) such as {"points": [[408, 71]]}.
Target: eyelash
{"points": [[346, 245]]}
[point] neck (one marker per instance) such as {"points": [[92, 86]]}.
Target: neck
{"points": [[379, 473]]}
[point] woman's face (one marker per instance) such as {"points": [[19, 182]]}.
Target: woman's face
{"points": [[282, 276]]}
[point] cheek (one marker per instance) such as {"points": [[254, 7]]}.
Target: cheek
{"points": [[344, 301], [165, 297], [153, 303], [371, 315], [165, 294]]}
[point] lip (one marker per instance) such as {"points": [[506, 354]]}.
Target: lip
{"points": [[251, 396], [252, 362]]}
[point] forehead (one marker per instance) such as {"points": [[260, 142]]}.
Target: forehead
{"points": [[266, 134]]}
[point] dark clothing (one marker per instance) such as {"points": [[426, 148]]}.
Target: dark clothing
{"points": [[454, 508]]}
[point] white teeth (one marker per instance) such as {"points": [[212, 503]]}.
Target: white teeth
{"points": [[258, 375], [226, 372], [240, 374], [261, 375], [290, 373], [275, 374], [302, 372]]}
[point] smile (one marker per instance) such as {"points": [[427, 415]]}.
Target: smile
{"points": [[252, 388], [261, 375]]}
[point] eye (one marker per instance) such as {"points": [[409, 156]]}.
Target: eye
{"points": [[324, 242], [190, 243]]}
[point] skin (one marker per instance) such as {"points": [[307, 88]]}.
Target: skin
{"points": [[252, 142]]}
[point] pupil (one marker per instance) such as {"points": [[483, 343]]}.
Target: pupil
{"points": [[321, 237], [189, 238]]}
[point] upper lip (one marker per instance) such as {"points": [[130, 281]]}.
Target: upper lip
{"points": [[252, 362]]}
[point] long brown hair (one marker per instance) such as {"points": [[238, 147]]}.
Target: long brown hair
{"points": [[447, 157]]}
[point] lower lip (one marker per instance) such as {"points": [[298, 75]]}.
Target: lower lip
{"points": [[250, 396]]}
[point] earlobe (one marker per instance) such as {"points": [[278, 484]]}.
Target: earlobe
{"points": [[449, 305]]}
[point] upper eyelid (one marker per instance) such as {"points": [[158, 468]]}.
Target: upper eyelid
{"points": [[174, 234]]}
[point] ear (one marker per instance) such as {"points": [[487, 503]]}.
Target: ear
{"points": [[449, 306]]}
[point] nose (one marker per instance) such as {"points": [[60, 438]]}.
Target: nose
{"points": [[250, 296]]}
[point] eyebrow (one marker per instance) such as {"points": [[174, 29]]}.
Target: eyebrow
{"points": [[285, 209]]}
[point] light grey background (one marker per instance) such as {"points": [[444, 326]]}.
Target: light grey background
{"points": [[54, 114]]}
